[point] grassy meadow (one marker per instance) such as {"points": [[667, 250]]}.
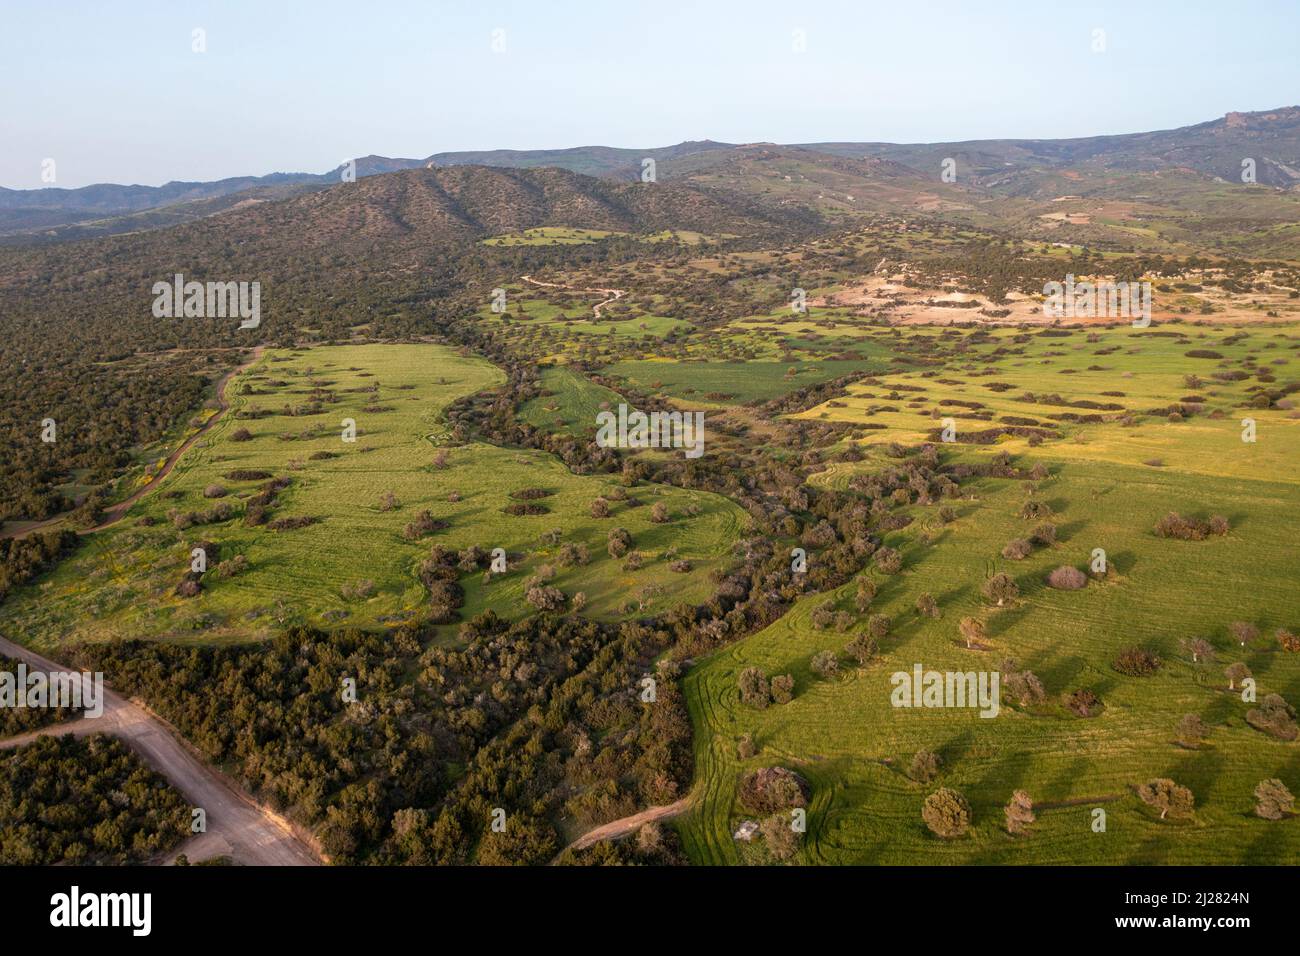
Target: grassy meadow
{"points": [[122, 581]]}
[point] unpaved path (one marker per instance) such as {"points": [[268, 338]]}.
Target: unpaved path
{"points": [[237, 826], [625, 825], [614, 294], [118, 511]]}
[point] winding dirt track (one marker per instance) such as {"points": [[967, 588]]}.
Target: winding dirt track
{"points": [[118, 511], [237, 826], [614, 294], [625, 825]]}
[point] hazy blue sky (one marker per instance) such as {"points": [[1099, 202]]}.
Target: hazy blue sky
{"points": [[113, 92]]}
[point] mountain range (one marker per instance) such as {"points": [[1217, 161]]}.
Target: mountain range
{"points": [[1144, 187]]}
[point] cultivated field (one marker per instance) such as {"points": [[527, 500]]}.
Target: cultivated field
{"points": [[1110, 480]]}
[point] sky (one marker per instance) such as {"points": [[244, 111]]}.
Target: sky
{"points": [[116, 92]]}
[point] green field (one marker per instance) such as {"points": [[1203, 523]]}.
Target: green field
{"points": [[573, 404], [122, 580], [844, 736]]}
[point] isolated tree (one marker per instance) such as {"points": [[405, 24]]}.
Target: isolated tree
{"points": [[926, 606], [754, 689], [1243, 632], [600, 508], [659, 513], [1001, 588], [946, 813], [925, 766], [824, 663], [1020, 812], [1236, 673], [1170, 798], [1273, 800], [545, 598], [650, 839], [1044, 534], [779, 836], [862, 648], [619, 542], [745, 747], [782, 688], [888, 560], [1287, 640], [1192, 730], [865, 594], [878, 626], [1199, 649], [972, 630], [388, 501]]}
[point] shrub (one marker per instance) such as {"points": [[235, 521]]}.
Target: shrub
{"points": [[925, 766], [754, 689], [241, 434], [247, 475], [1174, 525], [388, 501], [926, 606], [1273, 800], [745, 747], [681, 566], [1192, 730], [782, 688], [424, 523], [1023, 687], [1044, 534], [546, 598], [1289, 641], [1136, 662], [946, 813], [1019, 812], [1067, 578], [1083, 703], [659, 513], [1017, 549], [522, 509], [878, 626], [214, 491], [530, 494], [1274, 716], [780, 837], [292, 524]]}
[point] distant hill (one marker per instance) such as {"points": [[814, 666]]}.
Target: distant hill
{"points": [[1008, 182]]}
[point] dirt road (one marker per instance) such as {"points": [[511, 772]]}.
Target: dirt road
{"points": [[236, 825], [614, 294], [119, 510], [625, 825]]}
